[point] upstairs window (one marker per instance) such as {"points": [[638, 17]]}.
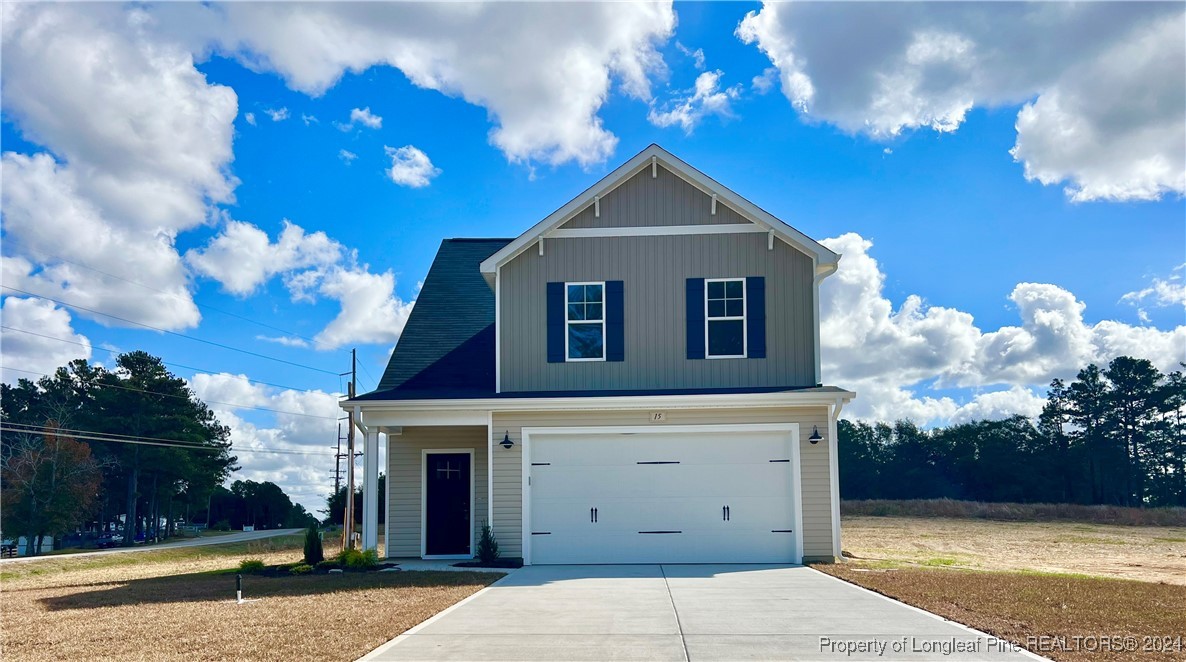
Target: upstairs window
{"points": [[584, 304], [724, 318]]}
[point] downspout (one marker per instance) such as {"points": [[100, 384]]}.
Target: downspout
{"points": [[834, 469]]}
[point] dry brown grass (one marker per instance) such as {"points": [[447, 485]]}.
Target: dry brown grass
{"points": [[1154, 554], [182, 606], [1017, 606], [1015, 512]]}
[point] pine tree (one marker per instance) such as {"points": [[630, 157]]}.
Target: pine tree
{"points": [[314, 553]]}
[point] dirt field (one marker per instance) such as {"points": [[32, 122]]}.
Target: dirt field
{"points": [[175, 606], [1151, 554]]}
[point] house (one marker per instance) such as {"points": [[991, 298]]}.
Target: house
{"points": [[634, 379]]}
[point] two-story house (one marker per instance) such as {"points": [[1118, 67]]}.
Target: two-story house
{"points": [[634, 379]]}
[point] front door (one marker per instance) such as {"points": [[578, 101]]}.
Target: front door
{"points": [[447, 486]]}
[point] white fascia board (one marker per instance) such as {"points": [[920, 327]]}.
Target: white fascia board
{"points": [[709, 186], [430, 412]]}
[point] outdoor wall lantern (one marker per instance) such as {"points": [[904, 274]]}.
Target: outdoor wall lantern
{"points": [[506, 440], [814, 438]]}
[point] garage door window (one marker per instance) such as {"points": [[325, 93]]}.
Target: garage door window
{"points": [[725, 318]]}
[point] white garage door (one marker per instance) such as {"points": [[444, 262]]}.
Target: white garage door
{"points": [[702, 495]]}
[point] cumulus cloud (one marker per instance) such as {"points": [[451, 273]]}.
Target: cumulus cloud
{"points": [[250, 117], [371, 312], [1161, 293], [895, 358], [688, 108], [1101, 85], [305, 478], [347, 156], [364, 117], [277, 114], [542, 71], [242, 258], [34, 353], [138, 146], [410, 167]]}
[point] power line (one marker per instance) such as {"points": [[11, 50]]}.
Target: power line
{"points": [[181, 298], [183, 397], [146, 441], [178, 365], [172, 333]]}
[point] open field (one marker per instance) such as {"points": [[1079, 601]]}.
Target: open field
{"points": [[1015, 512], [1035, 609], [1151, 554], [179, 604], [1018, 580]]}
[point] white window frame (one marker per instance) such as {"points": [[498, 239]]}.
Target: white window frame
{"points": [[568, 358], [744, 319]]}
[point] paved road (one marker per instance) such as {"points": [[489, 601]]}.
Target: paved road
{"points": [[241, 536], [686, 612]]}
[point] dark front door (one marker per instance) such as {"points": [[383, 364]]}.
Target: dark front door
{"points": [[447, 525]]}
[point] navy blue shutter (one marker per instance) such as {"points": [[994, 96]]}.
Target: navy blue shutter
{"points": [[556, 353], [615, 322], [695, 318], [755, 314]]}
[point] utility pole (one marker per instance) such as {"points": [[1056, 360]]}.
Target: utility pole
{"points": [[348, 520]]}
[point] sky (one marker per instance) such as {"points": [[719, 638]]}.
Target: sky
{"points": [[250, 190]]}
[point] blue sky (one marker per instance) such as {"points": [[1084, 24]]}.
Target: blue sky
{"points": [[920, 167]]}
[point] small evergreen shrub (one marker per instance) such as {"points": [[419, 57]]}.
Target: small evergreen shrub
{"points": [[222, 525], [301, 569], [353, 559], [327, 564], [251, 565], [487, 544], [314, 553]]}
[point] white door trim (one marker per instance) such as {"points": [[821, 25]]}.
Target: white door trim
{"points": [[424, 453], [792, 430]]}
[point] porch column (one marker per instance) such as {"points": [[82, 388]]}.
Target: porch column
{"points": [[370, 487]]}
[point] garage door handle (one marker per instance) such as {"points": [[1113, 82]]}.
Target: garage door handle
{"points": [[593, 515]]}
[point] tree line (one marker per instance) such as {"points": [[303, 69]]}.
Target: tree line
{"points": [[128, 451], [1113, 436]]}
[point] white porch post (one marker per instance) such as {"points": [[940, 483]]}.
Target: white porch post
{"points": [[370, 486]]}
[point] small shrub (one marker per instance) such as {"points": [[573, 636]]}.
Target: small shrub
{"points": [[251, 565], [300, 569], [327, 564], [222, 525], [353, 559], [314, 553], [487, 544]]}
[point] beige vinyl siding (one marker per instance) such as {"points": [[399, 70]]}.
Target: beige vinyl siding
{"points": [[643, 201], [654, 271], [814, 461], [405, 473]]}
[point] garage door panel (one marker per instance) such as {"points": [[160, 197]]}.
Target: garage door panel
{"points": [[668, 497]]}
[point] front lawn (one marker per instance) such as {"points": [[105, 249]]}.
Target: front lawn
{"points": [[1043, 611]]}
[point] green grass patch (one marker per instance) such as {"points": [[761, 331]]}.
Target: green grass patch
{"points": [[939, 561], [1170, 539]]}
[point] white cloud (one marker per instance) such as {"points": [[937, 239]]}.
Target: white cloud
{"points": [[347, 156], [138, 147], [764, 82], [366, 118], [286, 341], [23, 351], [309, 119], [1161, 293], [242, 258], [542, 71], [410, 167], [277, 114], [305, 478], [250, 117], [371, 312], [894, 358], [690, 107], [696, 55], [1102, 83]]}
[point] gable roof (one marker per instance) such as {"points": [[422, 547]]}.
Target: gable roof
{"points": [[448, 341], [825, 259]]}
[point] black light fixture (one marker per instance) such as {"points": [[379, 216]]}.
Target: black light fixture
{"points": [[506, 440], [815, 435]]}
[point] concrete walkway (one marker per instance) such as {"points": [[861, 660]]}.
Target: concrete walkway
{"points": [[685, 612], [241, 536]]}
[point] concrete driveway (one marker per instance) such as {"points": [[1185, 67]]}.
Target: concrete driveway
{"points": [[686, 612]]}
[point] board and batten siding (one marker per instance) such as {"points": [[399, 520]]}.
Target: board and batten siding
{"points": [[814, 461], [654, 271], [643, 201], [405, 476]]}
